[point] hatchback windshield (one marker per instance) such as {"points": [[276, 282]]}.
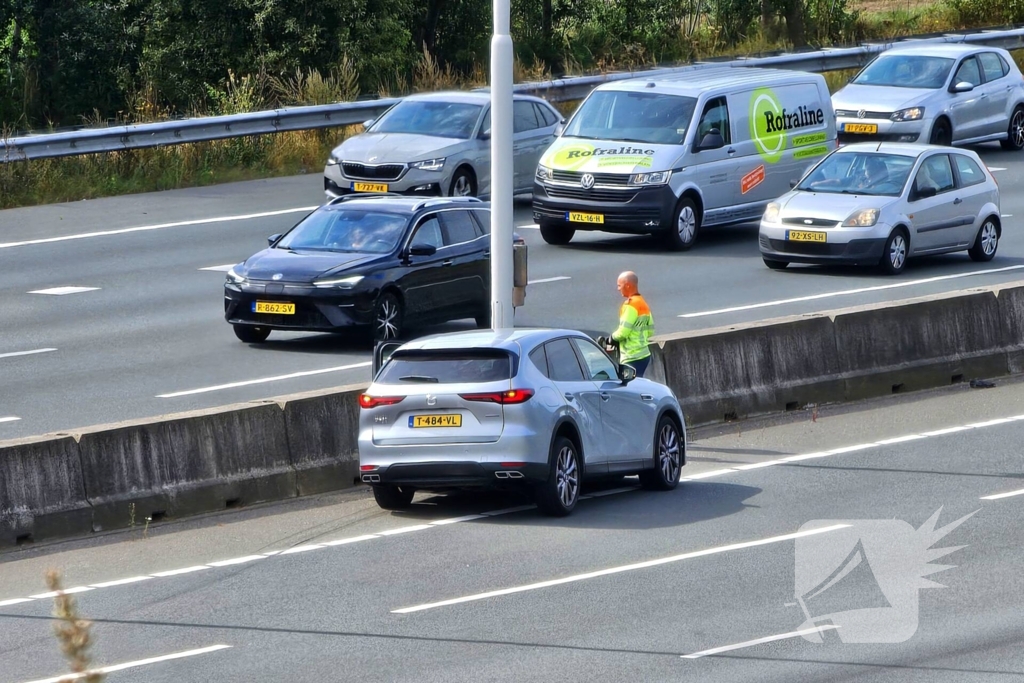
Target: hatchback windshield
{"points": [[860, 173], [633, 117], [440, 119], [346, 229], [906, 71], [451, 367]]}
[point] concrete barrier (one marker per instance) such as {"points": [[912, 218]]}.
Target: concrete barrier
{"points": [[42, 493], [184, 464], [322, 428], [106, 477]]}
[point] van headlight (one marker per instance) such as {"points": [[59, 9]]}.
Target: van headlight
{"points": [[864, 218], [912, 114], [428, 165], [771, 212], [340, 283], [657, 178], [544, 173]]}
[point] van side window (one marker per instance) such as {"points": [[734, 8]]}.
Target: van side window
{"points": [[716, 115]]}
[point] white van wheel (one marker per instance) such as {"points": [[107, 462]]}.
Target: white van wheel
{"points": [[683, 232]]}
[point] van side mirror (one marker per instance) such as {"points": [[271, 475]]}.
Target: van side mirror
{"points": [[486, 134], [712, 140], [962, 86], [559, 128], [273, 238]]}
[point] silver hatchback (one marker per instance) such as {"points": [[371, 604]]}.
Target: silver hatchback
{"points": [[880, 204], [527, 409]]}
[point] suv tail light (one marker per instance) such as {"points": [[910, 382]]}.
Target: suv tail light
{"points": [[510, 397], [367, 401]]}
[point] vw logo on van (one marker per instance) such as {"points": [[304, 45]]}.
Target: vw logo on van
{"points": [[587, 181]]}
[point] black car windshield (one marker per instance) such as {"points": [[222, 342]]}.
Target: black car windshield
{"points": [[439, 119], [346, 229], [446, 367], [906, 71], [867, 173], [633, 117]]}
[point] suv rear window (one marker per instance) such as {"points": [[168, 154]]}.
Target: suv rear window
{"points": [[446, 367]]}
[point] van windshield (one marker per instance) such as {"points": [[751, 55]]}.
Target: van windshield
{"points": [[633, 117], [860, 173]]}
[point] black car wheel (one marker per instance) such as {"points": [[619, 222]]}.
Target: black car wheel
{"points": [[556, 234], [387, 318], [668, 458], [393, 497], [1015, 133], [251, 334], [559, 494], [986, 243], [463, 184]]}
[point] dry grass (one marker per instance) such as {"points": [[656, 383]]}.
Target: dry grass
{"points": [[73, 632]]}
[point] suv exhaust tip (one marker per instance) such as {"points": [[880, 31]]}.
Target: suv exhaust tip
{"points": [[371, 478], [501, 474]]}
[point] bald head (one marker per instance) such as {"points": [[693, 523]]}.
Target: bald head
{"points": [[628, 284]]}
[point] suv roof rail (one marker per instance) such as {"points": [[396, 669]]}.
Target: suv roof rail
{"points": [[444, 200], [362, 195]]}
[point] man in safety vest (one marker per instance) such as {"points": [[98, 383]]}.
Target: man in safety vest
{"points": [[636, 325]]}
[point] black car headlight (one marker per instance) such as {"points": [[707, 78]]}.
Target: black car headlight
{"points": [[339, 283], [234, 278]]}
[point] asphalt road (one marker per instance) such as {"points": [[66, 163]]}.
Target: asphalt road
{"points": [[634, 585], [147, 336]]}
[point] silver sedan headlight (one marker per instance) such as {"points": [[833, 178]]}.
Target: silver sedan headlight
{"points": [[771, 212], [429, 164], [864, 218], [912, 114]]}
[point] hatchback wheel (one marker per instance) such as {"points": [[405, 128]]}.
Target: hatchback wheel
{"points": [[683, 232], [894, 257], [387, 318], [556, 234], [463, 184], [942, 134], [393, 497], [559, 494], [986, 243], [251, 334], [1015, 133], [668, 458]]}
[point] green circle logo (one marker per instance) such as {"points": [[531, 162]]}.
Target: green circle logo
{"points": [[766, 125]]}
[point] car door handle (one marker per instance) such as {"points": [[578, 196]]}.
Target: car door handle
{"points": [[646, 397], [731, 150], [569, 397], [446, 263], [957, 200], [605, 396]]}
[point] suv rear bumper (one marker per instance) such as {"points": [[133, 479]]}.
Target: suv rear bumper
{"points": [[457, 475]]}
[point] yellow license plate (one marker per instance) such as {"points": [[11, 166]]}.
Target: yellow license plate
{"points": [[804, 236], [451, 420], [861, 128], [577, 217], [273, 307], [369, 187]]}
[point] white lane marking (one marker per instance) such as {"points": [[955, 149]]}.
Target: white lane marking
{"points": [[61, 291], [15, 354], [705, 475], [120, 582], [237, 560], [612, 492], [15, 601], [507, 511], [456, 520], [848, 292], [548, 279], [759, 465], [10, 418], [299, 549], [132, 665], [177, 572], [159, 226], [996, 168], [263, 380], [1008, 494], [528, 226], [221, 269], [620, 569], [758, 641], [66, 591], [356, 539], [1007, 215], [403, 530]]}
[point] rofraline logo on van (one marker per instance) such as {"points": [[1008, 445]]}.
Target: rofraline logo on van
{"points": [[576, 156], [769, 122]]}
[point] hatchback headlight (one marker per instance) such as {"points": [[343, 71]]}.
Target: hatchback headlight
{"points": [[234, 278], [340, 283], [657, 178], [429, 164], [333, 160], [864, 218], [771, 212], [912, 114], [544, 173]]}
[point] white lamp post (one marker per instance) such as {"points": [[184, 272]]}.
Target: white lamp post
{"points": [[501, 167]]}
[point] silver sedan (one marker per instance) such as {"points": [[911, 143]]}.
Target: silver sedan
{"points": [[526, 409], [880, 204], [944, 94], [438, 144]]}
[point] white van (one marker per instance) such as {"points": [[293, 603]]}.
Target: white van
{"points": [[710, 146]]}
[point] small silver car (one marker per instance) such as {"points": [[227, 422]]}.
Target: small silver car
{"points": [[536, 410], [881, 203], [438, 144], [943, 94]]}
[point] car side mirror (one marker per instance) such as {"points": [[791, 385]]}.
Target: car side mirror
{"points": [[627, 373], [962, 86], [367, 123], [926, 192], [712, 140], [422, 249], [273, 238], [485, 135], [793, 183], [381, 355], [559, 128]]}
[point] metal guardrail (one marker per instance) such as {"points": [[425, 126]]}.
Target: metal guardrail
{"points": [[163, 133]]}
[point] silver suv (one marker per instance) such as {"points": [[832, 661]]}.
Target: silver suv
{"points": [[439, 144], [534, 410]]}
